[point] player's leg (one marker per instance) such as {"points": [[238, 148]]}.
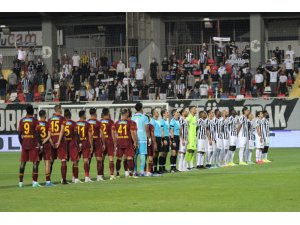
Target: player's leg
{"points": [[86, 166], [135, 158], [189, 157], [209, 155], [156, 154], [111, 167], [120, 153], [125, 167], [161, 160], [21, 172], [243, 143], [142, 152], [75, 171], [165, 156], [265, 154], [35, 174], [150, 165]]}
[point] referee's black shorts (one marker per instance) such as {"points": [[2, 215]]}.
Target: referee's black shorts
{"points": [[166, 148], [177, 142], [158, 144]]}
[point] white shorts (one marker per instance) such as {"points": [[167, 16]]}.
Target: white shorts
{"points": [[225, 144], [267, 141], [258, 144], [182, 148], [201, 145], [232, 140], [219, 143], [211, 147], [243, 142], [250, 144]]}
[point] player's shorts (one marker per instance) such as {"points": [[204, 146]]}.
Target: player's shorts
{"points": [[267, 141], [182, 148], [219, 143], [232, 140], [243, 141], [60, 152], [142, 150], [158, 144], [192, 143], [250, 144], [166, 148], [109, 148], [258, 144], [128, 152], [226, 144], [177, 142], [47, 152], [211, 147], [31, 155], [73, 151], [97, 148], [201, 145]]}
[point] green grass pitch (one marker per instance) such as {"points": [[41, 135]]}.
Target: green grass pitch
{"points": [[268, 187]]}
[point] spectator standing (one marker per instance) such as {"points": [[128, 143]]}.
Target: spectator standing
{"points": [[221, 70], [17, 69], [66, 58], [145, 91], [21, 56], [92, 77], [163, 90], [67, 68], [30, 55], [170, 93], [94, 62], [237, 82], [278, 55], [132, 63], [120, 70], [273, 60], [153, 69], [226, 83], [12, 82], [39, 66], [111, 88], [119, 90], [283, 83], [26, 88], [180, 89], [84, 61], [3, 87], [75, 59], [220, 56], [273, 80], [203, 90], [63, 91], [152, 90], [1, 61], [215, 78], [139, 75], [135, 93], [82, 93], [248, 82], [290, 52], [173, 57], [188, 56], [289, 67], [76, 79], [202, 59], [190, 81], [165, 67], [259, 81]]}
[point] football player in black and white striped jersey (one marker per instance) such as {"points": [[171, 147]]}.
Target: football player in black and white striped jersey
{"points": [[212, 132], [243, 134], [251, 139], [232, 128], [202, 137], [218, 121], [225, 138], [182, 164], [266, 133], [259, 138]]}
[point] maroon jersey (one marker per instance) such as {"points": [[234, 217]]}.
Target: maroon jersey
{"points": [[28, 126], [84, 128], [56, 122], [70, 130], [108, 128], [96, 128], [43, 127], [151, 131], [124, 128]]}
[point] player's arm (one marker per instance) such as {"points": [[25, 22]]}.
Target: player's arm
{"points": [[102, 137], [132, 132], [181, 136], [61, 134], [47, 138], [20, 133], [259, 133], [90, 138], [153, 141], [148, 132], [113, 135], [208, 136]]}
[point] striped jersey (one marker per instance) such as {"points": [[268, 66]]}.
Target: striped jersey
{"points": [[215, 121], [184, 126], [201, 129], [244, 128], [220, 128], [225, 128], [251, 130], [266, 130], [260, 125], [211, 126], [232, 123]]}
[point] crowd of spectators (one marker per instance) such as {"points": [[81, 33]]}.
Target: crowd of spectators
{"points": [[88, 78]]}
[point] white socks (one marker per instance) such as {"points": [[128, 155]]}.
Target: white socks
{"points": [[241, 154], [258, 154], [200, 158], [181, 162], [249, 159]]}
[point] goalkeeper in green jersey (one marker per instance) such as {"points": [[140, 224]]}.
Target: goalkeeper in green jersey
{"points": [[192, 140]]}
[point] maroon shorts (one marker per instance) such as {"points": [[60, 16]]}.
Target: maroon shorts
{"points": [[97, 147], [31, 155], [109, 148], [60, 152], [128, 152], [73, 150], [150, 151], [47, 152]]}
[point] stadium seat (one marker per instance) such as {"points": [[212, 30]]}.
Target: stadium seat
{"points": [[232, 96], [240, 97], [281, 96], [37, 97], [248, 96]]}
